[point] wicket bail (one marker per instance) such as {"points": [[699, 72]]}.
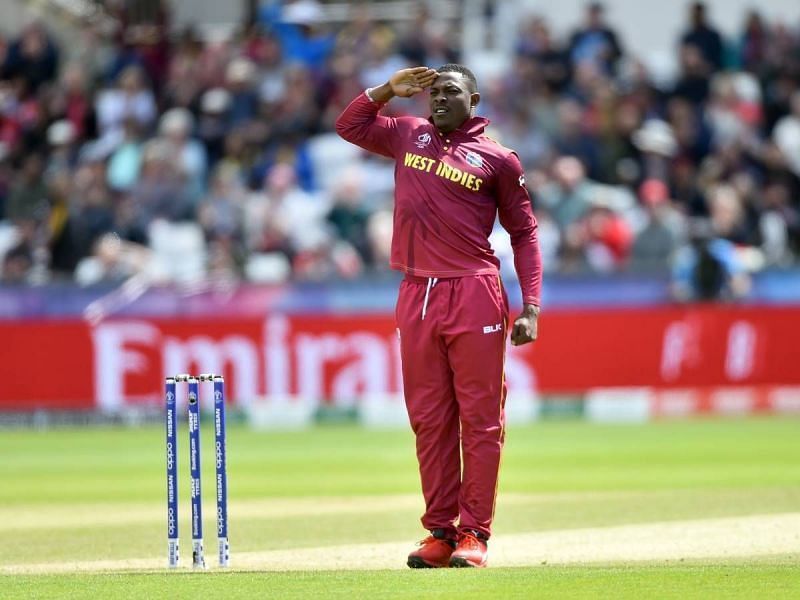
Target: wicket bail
{"points": [[173, 543]]}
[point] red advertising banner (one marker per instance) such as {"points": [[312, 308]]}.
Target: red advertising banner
{"points": [[71, 364]]}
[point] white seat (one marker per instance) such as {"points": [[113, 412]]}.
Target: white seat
{"points": [[179, 250], [8, 239], [267, 267]]}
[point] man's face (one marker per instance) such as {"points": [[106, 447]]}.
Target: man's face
{"points": [[698, 14], [595, 17], [451, 101]]}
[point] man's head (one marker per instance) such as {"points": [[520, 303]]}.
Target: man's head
{"points": [[453, 96], [698, 14], [594, 15]]}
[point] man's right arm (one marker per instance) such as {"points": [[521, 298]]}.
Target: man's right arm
{"points": [[360, 123]]}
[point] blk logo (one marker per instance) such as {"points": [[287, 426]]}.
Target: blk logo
{"points": [[492, 328]]}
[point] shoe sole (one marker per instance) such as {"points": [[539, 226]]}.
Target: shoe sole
{"points": [[415, 562], [462, 563]]}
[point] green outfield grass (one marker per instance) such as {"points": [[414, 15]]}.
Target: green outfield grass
{"points": [[74, 496], [698, 581]]}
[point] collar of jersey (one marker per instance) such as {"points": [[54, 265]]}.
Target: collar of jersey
{"points": [[472, 126]]}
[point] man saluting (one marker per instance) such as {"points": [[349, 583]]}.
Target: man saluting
{"points": [[452, 311]]}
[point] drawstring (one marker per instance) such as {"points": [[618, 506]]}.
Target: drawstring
{"points": [[431, 282]]}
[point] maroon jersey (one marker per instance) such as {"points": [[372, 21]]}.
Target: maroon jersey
{"points": [[448, 190]]}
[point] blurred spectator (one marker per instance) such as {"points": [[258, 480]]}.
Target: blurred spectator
{"points": [[243, 103], [529, 141], [690, 129], [552, 61], [656, 143], [221, 213], [213, 123], [341, 86], [27, 199], [74, 102], [17, 264], [81, 212], [125, 162], [349, 215], [265, 52], [61, 138], [297, 114], [656, 243], [734, 109], [161, 191], [175, 127], [301, 31], [702, 35], [685, 190], [91, 52], [569, 195], [142, 34], [601, 240], [571, 139], [427, 41], [727, 215], [622, 162], [284, 217], [595, 43], [32, 57], [238, 154], [129, 99], [186, 74], [695, 75], [753, 42], [708, 267], [779, 224]]}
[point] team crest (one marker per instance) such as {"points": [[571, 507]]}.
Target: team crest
{"points": [[522, 180], [476, 160], [423, 140]]}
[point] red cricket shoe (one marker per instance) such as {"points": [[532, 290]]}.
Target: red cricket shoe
{"points": [[471, 551], [434, 552]]}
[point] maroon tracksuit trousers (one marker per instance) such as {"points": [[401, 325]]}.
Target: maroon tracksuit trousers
{"points": [[452, 340]]}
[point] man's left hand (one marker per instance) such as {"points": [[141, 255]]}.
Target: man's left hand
{"points": [[526, 326]]}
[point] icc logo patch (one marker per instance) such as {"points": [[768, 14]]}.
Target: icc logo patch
{"points": [[474, 159], [423, 140]]}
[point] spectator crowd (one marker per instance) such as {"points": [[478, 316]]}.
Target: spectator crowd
{"points": [[213, 157]]}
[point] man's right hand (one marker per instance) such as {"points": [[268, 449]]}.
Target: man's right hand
{"points": [[404, 83]]}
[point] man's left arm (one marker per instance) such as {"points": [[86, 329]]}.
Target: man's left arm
{"points": [[516, 217]]}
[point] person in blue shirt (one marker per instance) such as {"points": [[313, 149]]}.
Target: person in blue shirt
{"points": [[297, 28]]}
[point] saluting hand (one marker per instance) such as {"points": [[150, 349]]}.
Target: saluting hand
{"points": [[407, 82], [526, 326], [404, 83]]}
